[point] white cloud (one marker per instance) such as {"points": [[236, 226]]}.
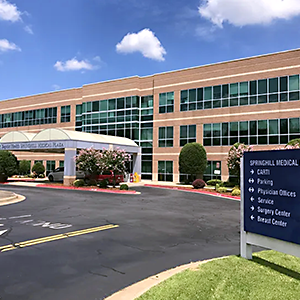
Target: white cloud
{"points": [[9, 12], [248, 12], [28, 29], [145, 42], [97, 59], [73, 65], [55, 87], [5, 46]]}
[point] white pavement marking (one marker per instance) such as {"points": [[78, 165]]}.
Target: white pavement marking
{"points": [[1, 225], [3, 231], [1, 219], [19, 217]]}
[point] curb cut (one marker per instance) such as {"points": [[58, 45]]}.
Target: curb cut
{"points": [[137, 289]]}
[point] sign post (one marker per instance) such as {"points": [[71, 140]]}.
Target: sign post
{"points": [[270, 201]]}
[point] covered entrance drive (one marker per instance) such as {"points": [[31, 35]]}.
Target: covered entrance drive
{"points": [[55, 140]]}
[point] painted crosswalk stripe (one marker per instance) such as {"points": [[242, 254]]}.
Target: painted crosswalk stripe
{"points": [[20, 217], [55, 237], [3, 231]]}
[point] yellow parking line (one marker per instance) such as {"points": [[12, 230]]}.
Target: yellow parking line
{"points": [[55, 237]]}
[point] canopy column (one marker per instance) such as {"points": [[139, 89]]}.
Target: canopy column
{"points": [[70, 166], [137, 163]]}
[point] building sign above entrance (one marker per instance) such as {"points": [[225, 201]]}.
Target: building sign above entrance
{"points": [[272, 194], [32, 145]]}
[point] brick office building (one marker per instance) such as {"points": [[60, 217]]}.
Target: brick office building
{"points": [[252, 100]]}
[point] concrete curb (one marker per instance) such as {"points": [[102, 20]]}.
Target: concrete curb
{"points": [[10, 198], [235, 198], [137, 289]]}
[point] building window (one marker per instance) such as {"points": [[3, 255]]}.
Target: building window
{"points": [[187, 134], [29, 118], [165, 137], [213, 170], [166, 102], [271, 90], [65, 114], [256, 132], [61, 163], [50, 166], [165, 171]]}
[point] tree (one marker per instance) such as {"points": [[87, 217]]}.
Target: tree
{"points": [[234, 158], [193, 160], [8, 165], [24, 167], [94, 162], [88, 161], [38, 168], [115, 161]]}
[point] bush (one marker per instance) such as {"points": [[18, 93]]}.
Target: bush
{"points": [[294, 143], [234, 159], [221, 189], [24, 167], [236, 192], [78, 182], [8, 165], [38, 168], [124, 187], [192, 159], [229, 184], [103, 184], [214, 182], [41, 175], [199, 184]]}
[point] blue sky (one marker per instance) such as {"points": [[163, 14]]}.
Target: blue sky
{"points": [[59, 44]]}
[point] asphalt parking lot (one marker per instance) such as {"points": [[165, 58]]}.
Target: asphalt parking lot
{"points": [[56, 245]]}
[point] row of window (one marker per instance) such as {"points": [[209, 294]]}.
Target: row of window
{"points": [[165, 171], [31, 117], [187, 135], [270, 90], [115, 104], [257, 132]]}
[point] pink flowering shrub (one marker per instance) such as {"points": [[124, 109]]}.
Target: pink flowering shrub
{"points": [[234, 158], [95, 161]]}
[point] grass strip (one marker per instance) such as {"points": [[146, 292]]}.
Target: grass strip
{"points": [[270, 276]]}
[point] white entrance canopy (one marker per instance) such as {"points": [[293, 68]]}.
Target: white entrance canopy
{"points": [[68, 142]]}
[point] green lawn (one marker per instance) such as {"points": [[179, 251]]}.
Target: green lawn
{"points": [[270, 275]]}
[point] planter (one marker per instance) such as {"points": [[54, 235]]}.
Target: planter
{"points": [[3, 178]]}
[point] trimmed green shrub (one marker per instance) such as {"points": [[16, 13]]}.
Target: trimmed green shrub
{"points": [[214, 182], [198, 184], [193, 160], [228, 184], [236, 192], [124, 187], [78, 182], [103, 184], [8, 165], [24, 167], [294, 142], [38, 168], [221, 189]]}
